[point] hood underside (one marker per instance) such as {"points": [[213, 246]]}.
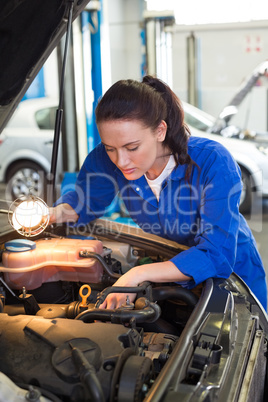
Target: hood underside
{"points": [[29, 31]]}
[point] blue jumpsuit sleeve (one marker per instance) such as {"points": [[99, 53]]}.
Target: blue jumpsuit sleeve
{"points": [[95, 187], [215, 242]]}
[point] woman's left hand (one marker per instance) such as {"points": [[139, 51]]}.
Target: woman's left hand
{"points": [[115, 300], [155, 272]]}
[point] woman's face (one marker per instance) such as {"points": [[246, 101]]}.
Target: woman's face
{"points": [[134, 148]]}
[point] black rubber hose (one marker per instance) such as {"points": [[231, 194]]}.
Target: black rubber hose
{"points": [[91, 254], [175, 292], [88, 375], [150, 312], [141, 289]]}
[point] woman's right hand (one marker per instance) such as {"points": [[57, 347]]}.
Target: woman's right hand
{"points": [[62, 213]]}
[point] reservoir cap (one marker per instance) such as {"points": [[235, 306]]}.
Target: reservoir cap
{"points": [[19, 245]]}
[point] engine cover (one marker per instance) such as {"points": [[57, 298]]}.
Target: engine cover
{"points": [[38, 351]]}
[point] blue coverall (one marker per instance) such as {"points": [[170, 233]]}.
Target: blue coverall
{"points": [[201, 212]]}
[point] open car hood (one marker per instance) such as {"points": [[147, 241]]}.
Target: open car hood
{"points": [[29, 31], [246, 86]]}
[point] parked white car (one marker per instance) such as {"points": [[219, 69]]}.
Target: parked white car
{"points": [[26, 147], [252, 156]]}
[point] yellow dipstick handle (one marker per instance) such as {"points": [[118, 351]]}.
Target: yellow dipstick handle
{"points": [[84, 296]]}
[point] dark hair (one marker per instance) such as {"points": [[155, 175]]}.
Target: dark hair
{"points": [[149, 101]]}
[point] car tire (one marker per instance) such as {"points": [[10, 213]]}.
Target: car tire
{"points": [[26, 178], [246, 195]]}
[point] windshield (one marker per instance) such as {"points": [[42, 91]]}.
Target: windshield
{"points": [[197, 118]]}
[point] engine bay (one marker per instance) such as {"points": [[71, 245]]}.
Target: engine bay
{"points": [[58, 345]]}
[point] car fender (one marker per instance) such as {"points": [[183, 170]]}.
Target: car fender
{"points": [[251, 167], [245, 154], [24, 154]]}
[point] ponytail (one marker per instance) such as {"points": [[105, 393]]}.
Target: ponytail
{"points": [[177, 132]]}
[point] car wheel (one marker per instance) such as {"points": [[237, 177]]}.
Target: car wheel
{"points": [[26, 178], [246, 195]]}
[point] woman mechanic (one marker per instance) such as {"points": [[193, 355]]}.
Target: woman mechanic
{"points": [[182, 188]]}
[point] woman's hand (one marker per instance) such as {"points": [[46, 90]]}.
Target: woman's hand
{"points": [[62, 213], [156, 272], [115, 300]]}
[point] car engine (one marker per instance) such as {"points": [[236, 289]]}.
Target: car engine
{"points": [[58, 345]]}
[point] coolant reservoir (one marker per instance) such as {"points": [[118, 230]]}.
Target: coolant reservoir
{"points": [[50, 260]]}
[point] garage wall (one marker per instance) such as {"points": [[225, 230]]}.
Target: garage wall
{"points": [[125, 41], [226, 56]]}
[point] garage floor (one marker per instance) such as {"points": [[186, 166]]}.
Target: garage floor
{"points": [[258, 222]]}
